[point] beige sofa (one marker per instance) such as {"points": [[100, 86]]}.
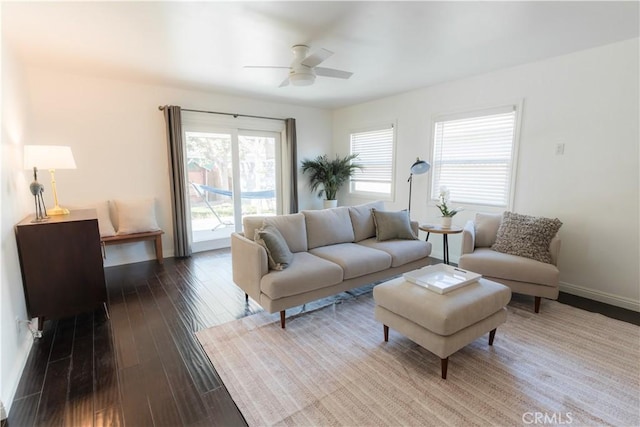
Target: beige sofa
{"points": [[523, 275], [334, 250]]}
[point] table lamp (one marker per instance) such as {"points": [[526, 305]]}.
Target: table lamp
{"points": [[50, 157], [418, 167]]}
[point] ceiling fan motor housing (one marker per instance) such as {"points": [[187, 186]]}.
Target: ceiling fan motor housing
{"points": [[301, 75]]}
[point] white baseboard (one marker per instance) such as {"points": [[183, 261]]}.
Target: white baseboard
{"points": [[20, 362], [605, 297]]}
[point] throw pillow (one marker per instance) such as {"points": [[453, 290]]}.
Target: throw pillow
{"points": [[104, 220], [278, 252], [526, 236], [136, 216], [392, 225], [105, 226]]}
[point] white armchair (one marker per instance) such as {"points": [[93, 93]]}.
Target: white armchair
{"points": [[523, 275]]}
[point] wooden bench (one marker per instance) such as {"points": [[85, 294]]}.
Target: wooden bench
{"points": [[136, 237]]}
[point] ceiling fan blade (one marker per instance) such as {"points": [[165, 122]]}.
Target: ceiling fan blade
{"points": [[285, 82], [316, 58], [330, 72], [263, 66]]}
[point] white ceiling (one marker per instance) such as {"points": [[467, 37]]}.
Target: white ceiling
{"points": [[390, 47]]}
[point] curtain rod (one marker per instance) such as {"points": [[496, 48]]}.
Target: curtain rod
{"points": [[235, 115]]}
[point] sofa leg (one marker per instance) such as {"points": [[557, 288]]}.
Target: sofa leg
{"points": [[444, 364], [386, 333], [492, 335], [536, 304], [246, 297], [282, 319]]}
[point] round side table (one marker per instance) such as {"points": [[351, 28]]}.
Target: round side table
{"points": [[437, 229]]}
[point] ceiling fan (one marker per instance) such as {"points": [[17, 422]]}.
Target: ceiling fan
{"points": [[304, 68]]}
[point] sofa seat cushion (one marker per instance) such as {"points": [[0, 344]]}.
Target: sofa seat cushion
{"points": [[490, 263], [354, 259], [401, 251], [306, 273]]}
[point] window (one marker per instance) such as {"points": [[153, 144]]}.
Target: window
{"points": [[473, 156], [374, 147]]}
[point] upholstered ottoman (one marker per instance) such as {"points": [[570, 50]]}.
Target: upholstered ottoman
{"points": [[442, 324]]}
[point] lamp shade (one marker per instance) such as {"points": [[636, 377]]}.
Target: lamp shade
{"points": [[420, 167], [48, 157]]}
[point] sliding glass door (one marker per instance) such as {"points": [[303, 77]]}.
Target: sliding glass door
{"points": [[231, 173]]}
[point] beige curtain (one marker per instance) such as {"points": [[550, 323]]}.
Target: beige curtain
{"points": [[292, 155], [175, 145]]}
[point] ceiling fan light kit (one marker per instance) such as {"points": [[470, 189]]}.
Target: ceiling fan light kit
{"points": [[303, 71]]}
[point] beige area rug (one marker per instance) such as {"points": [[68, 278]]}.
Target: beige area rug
{"points": [[332, 367]]}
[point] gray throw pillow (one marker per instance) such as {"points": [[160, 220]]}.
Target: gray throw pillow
{"points": [[392, 225], [526, 236], [278, 253]]}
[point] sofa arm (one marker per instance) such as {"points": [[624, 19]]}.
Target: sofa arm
{"points": [[554, 249], [249, 264], [468, 238]]}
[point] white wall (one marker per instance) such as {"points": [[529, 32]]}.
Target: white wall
{"points": [[117, 135], [16, 201], [587, 100]]}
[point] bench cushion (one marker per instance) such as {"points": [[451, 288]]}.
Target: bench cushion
{"points": [[442, 314], [306, 273], [488, 262], [401, 251], [356, 260]]}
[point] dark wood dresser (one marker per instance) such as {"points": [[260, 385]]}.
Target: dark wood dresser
{"points": [[61, 263]]}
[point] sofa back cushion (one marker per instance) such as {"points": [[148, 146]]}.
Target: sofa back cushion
{"points": [[328, 227], [487, 225], [292, 227], [362, 220]]}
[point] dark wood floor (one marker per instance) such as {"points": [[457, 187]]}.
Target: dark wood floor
{"points": [[144, 366]]}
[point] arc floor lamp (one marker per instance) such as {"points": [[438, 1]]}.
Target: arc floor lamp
{"points": [[419, 167]]}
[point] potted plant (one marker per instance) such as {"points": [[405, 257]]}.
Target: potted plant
{"points": [[446, 212], [329, 175]]}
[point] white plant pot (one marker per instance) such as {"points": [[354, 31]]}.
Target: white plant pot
{"points": [[446, 222], [330, 203]]}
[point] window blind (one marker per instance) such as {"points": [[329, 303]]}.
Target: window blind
{"points": [[473, 157], [375, 154]]}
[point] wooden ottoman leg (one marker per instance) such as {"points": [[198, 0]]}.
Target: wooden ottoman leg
{"points": [[386, 333], [282, 319], [492, 335], [444, 364], [536, 304]]}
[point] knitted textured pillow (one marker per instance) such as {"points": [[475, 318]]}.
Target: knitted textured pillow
{"points": [[526, 236]]}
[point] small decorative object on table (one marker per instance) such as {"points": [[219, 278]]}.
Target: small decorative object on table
{"points": [[447, 213], [37, 189]]}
